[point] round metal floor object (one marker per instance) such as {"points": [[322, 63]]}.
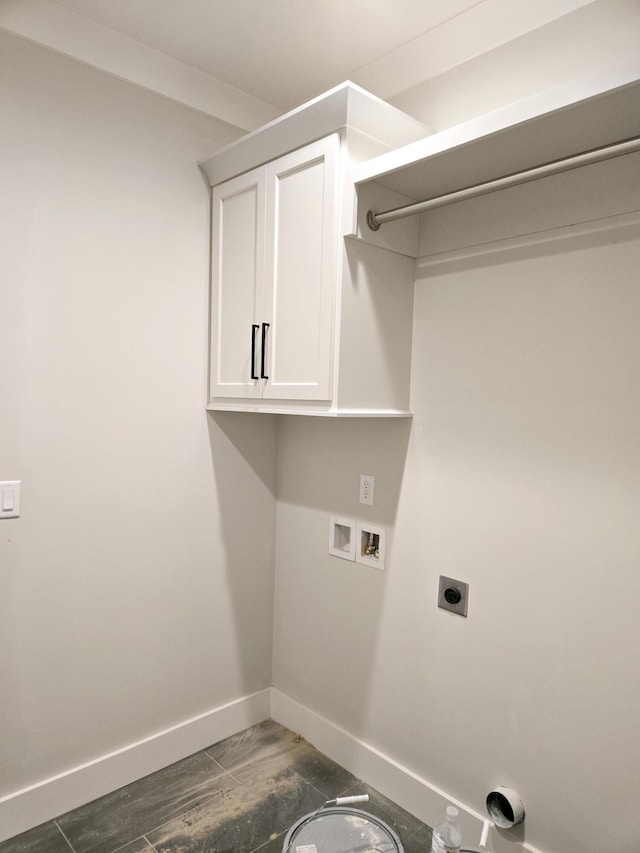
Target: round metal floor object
{"points": [[341, 830]]}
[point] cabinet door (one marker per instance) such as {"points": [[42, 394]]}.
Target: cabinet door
{"points": [[238, 221], [301, 274]]}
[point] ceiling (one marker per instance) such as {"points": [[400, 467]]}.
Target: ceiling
{"points": [[284, 52], [281, 51]]}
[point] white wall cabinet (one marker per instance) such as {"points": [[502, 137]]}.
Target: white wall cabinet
{"points": [[238, 217], [273, 278], [302, 320]]}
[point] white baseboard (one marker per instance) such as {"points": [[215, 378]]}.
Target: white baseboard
{"points": [[404, 787], [52, 797]]}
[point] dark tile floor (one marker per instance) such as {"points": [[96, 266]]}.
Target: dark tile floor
{"points": [[238, 796]]}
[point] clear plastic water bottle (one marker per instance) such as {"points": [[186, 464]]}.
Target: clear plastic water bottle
{"points": [[447, 836]]}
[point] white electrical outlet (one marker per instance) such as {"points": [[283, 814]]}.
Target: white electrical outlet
{"points": [[367, 485]]}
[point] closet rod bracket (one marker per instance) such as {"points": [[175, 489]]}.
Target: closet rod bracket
{"points": [[372, 221]]}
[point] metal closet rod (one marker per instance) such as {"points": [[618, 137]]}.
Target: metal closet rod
{"points": [[375, 220]]}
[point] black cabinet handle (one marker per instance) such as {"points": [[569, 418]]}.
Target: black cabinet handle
{"points": [[263, 375], [254, 327]]}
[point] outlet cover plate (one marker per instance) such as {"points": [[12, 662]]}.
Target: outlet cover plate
{"points": [[367, 488], [448, 592]]}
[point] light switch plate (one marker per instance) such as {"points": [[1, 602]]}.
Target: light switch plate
{"points": [[10, 498]]}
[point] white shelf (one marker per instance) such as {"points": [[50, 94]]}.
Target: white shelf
{"points": [[316, 412], [589, 113]]}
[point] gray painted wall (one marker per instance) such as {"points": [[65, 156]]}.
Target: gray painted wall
{"points": [[136, 588]]}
